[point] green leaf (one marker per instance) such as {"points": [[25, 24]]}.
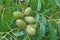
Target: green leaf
{"points": [[51, 31], [41, 31], [33, 4], [21, 33], [52, 3], [4, 25], [27, 2], [58, 29], [9, 16], [18, 6], [37, 17], [25, 38], [8, 2], [43, 2], [1, 2], [38, 5], [57, 3], [44, 20]]}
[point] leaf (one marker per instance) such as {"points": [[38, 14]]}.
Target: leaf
{"points": [[41, 31], [51, 31], [4, 25], [44, 20], [37, 17], [57, 3], [33, 4], [8, 2], [25, 38], [38, 5], [18, 33], [58, 29], [27, 2], [43, 2], [9, 16], [52, 3], [46, 11], [18, 6], [1, 2]]}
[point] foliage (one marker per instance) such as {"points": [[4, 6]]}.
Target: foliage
{"points": [[45, 12]]}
